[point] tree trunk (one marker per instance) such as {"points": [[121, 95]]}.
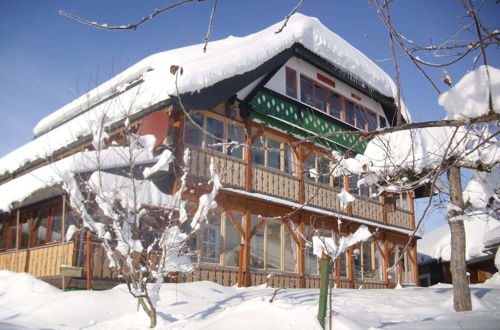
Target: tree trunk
{"points": [[461, 292]]}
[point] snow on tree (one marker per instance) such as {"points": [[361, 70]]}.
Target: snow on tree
{"points": [[143, 230]]}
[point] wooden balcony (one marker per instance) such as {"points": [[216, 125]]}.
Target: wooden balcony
{"points": [[282, 185]]}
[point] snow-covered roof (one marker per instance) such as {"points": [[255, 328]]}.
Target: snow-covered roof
{"points": [[150, 81], [436, 245]]}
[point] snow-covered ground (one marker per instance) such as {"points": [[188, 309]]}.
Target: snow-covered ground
{"points": [[26, 302]]}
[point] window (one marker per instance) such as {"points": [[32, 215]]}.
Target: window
{"points": [[372, 121], [349, 113], [270, 152], [215, 136], [317, 169], [273, 153], [235, 134], [257, 245], [192, 134], [353, 184], [273, 245], [291, 83], [232, 240], [363, 261], [335, 108], [306, 91], [319, 97], [290, 252], [219, 134], [211, 239]]}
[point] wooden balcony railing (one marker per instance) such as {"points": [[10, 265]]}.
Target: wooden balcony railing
{"points": [[368, 209], [401, 218], [282, 185], [322, 196], [230, 170], [275, 183]]}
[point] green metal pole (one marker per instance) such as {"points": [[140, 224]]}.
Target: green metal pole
{"points": [[323, 289]]}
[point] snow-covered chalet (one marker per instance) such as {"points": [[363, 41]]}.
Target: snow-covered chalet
{"points": [[281, 93]]}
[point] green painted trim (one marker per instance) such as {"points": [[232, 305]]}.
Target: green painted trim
{"points": [[300, 120]]}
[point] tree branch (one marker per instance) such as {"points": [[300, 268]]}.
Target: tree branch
{"points": [[129, 26]]}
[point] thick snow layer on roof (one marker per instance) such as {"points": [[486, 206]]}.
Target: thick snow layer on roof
{"points": [[469, 98], [149, 82], [20, 188], [436, 245]]}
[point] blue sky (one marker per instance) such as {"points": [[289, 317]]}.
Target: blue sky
{"points": [[46, 60]]}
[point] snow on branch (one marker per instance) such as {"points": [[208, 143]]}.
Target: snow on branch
{"points": [[327, 245]]}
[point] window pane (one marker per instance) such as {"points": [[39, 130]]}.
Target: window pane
{"points": [[273, 237], [334, 105], [343, 264], [360, 118], [291, 83], [310, 260], [349, 113], [257, 246], [310, 171], [232, 241], [40, 231], [356, 255], [258, 152], [290, 252], [211, 239], [321, 98], [235, 133], [367, 260], [55, 233], [192, 134], [24, 229], [216, 129], [372, 121], [353, 184], [306, 91], [289, 160], [324, 170], [273, 153]]}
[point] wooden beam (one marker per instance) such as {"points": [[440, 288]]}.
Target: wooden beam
{"points": [[235, 223], [246, 256], [386, 262], [88, 263]]}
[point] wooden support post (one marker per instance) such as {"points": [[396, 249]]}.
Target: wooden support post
{"points": [[414, 247], [246, 256], [386, 262], [18, 230], [240, 265], [88, 264]]}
